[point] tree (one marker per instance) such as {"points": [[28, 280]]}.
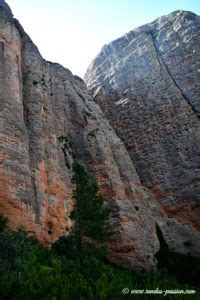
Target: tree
{"points": [[89, 213], [89, 233]]}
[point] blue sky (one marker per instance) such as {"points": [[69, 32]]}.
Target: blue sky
{"points": [[72, 32]]}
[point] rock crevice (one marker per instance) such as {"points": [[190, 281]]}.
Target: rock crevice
{"points": [[163, 65]]}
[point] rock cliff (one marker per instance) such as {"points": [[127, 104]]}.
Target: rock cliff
{"points": [[148, 84], [47, 118]]}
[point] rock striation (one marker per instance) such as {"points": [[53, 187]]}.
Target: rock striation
{"points": [[148, 84], [47, 118]]}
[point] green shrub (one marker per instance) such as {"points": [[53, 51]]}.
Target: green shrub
{"points": [[29, 271]]}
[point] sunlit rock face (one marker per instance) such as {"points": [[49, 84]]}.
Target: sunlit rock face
{"points": [[148, 84], [47, 118]]}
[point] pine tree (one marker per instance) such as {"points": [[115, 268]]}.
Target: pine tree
{"points": [[89, 213]]}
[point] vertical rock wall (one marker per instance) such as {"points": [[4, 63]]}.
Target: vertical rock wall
{"points": [[148, 84], [47, 116]]}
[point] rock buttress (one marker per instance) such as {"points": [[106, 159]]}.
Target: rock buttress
{"points": [[148, 84], [47, 117]]}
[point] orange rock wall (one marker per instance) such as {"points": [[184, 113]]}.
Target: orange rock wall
{"points": [[48, 117]]}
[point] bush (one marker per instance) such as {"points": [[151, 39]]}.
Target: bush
{"points": [[29, 271]]}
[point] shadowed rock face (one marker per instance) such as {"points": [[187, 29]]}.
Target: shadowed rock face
{"points": [[148, 85], [47, 117]]}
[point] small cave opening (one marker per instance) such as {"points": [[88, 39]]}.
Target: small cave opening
{"points": [[137, 208], [35, 82], [50, 225]]}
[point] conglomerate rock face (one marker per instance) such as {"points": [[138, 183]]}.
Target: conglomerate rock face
{"points": [[148, 85], [47, 118]]}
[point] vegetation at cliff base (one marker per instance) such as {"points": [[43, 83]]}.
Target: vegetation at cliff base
{"points": [[29, 271], [76, 267]]}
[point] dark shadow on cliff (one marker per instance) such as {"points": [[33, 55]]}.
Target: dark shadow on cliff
{"points": [[184, 267]]}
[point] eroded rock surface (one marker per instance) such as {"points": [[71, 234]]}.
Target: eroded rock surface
{"points": [[148, 84], [47, 117]]}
